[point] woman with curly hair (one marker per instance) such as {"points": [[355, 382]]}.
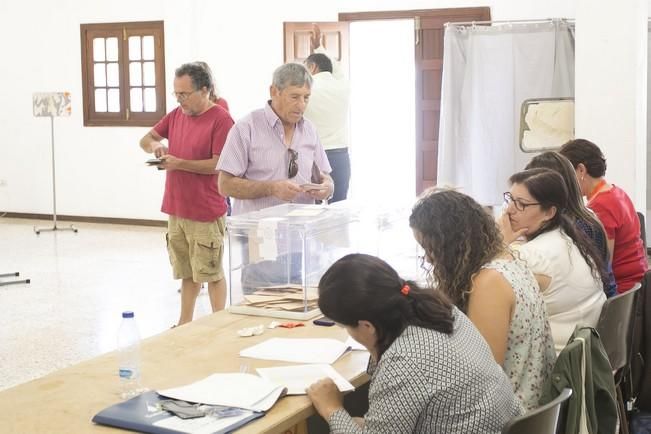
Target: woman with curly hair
{"points": [[566, 263], [489, 283]]}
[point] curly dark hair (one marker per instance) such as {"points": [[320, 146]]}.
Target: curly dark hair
{"points": [[200, 76], [458, 237]]}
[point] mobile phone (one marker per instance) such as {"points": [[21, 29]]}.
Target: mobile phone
{"points": [[154, 161], [323, 321]]}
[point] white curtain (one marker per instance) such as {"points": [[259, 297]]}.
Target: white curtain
{"points": [[487, 72]]}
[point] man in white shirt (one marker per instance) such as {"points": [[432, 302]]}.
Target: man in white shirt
{"points": [[328, 111]]}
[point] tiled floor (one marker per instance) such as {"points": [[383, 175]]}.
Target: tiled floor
{"points": [[80, 283]]}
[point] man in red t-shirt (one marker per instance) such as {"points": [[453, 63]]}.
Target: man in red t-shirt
{"points": [[196, 132]]}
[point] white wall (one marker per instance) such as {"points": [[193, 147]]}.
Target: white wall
{"points": [[611, 88], [100, 170]]}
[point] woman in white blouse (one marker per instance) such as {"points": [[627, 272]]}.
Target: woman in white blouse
{"points": [[567, 265]]}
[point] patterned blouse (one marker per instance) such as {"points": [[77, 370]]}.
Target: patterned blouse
{"points": [[430, 382], [530, 353]]}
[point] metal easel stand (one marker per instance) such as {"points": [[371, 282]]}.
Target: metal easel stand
{"points": [[11, 282], [54, 195]]}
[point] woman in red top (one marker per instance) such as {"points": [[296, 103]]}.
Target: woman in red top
{"points": [[216, 99], [615, 210]]}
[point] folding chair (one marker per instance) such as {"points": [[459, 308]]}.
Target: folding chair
{"points": [[542, 420]]}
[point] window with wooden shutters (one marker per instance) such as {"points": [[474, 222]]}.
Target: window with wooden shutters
{"points": [[123, 73]]}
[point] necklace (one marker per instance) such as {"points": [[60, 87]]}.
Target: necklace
{"points": [[596, 189]]}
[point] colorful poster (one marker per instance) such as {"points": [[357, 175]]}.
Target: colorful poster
{"points": [[51, 104]]}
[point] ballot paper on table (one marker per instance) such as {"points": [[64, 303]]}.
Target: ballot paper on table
{"points": [[297, 350], [354, 345], [203, 425], [297, 378], [307, 211], [246, 391]]}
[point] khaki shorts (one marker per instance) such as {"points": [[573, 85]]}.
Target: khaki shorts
{"points": [[196, 248]]}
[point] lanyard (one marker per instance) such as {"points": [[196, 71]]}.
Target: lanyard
{"points": [[596, 189]]}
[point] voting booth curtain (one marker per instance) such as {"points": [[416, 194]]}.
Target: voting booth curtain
{"points": [[488, 71]]}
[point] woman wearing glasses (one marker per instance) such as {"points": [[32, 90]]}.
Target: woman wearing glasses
{"points": [[490, 284], [584, 219], [566, 263]]}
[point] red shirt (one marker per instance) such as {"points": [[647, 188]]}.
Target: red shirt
{"points": [[191, 195], [222, 102], [617, 213]]}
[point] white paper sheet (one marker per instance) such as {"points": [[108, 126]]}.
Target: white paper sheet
{"points": [[200, 425], [354, 345], [306, 212], [268, 248], [246, 391], [297, 378], [297, 350]]}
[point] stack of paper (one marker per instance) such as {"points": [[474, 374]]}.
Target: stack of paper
{"points": [[298, 378], [143, 414], [308, 211], [283, 297], [297, 350], [231, 390]]}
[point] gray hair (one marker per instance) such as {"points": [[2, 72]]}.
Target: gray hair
{"points": [[200, 76], [291, 74]]}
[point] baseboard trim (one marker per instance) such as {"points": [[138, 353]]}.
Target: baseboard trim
{"points": [[87, 219]]}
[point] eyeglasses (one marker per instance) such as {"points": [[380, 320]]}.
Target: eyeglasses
{"points": [[182, 96], [519, 205], [292, 169]]}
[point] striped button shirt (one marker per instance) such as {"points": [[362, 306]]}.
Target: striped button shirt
{"points": [[255, 150]]}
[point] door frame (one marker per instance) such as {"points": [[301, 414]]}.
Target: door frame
{"points": [[422, 145]]}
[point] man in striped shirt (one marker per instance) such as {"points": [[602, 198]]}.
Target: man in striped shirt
{"points": [[273, 155]]}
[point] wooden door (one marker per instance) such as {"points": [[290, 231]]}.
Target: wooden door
{"points": [[429, 30], [336, 37]]}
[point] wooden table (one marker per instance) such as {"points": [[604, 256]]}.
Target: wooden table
{"points": [[66, 400]]}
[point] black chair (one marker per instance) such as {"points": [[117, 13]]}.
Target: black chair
{"points": [[638, 383], [543, 420], [640, 216], [615, 328]]}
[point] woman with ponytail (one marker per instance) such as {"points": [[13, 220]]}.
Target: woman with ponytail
{"points": [[569, 268], [431, 371], [472, 265]]}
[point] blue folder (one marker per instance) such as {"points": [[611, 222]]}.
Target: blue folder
{"points": [[140, 414]]}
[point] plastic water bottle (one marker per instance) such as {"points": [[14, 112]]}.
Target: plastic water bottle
{"points": [[129, 356]]}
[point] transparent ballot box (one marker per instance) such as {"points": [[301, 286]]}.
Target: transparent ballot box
{"points": [[277, 256], [383, 231]]}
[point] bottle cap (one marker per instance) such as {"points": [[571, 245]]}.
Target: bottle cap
{"points": [[127, 314]]}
